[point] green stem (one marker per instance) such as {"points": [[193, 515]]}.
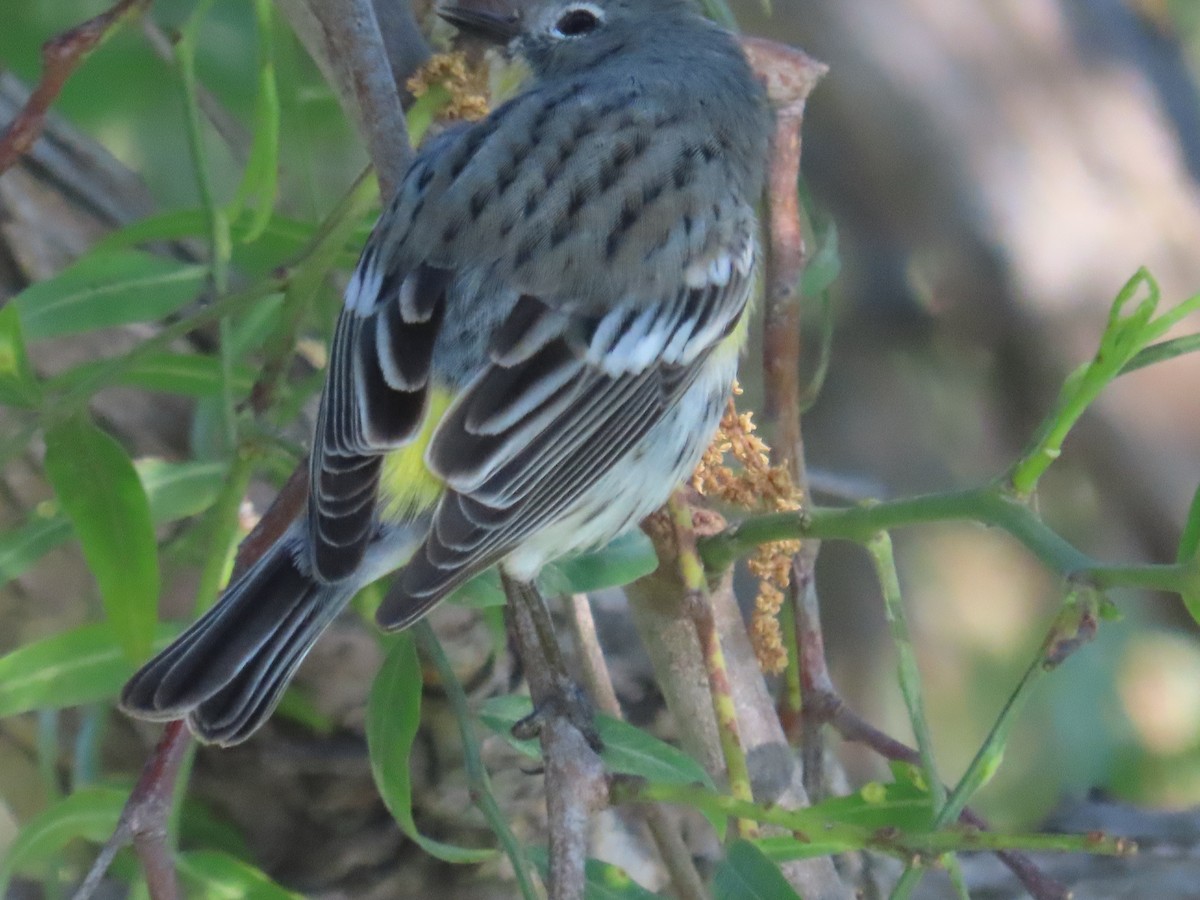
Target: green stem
{"points": [[792, 701], [700, 610], [882, 555], [812, 830], [880, 548], [987, 505], [477, 776], [223, 530]]}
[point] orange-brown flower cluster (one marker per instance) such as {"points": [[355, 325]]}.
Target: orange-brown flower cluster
{"points": [[753, 483], [467, 87]]}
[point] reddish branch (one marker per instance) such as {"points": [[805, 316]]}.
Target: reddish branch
{"points": [[143, 820], [790, 76], [61, 55]]}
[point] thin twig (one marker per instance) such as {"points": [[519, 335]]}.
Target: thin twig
{"points": [[576, 785], [356, 46], [790, 77], [143, 820], [144, 817], [825, 706], [61, 55], [698, 607]]}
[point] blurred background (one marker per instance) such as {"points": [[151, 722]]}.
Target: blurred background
{"points": [[996, 171]]}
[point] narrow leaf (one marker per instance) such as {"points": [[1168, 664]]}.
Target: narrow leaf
{"points": [[106, 289], [102, 496], [481, 592], [602, 881], [393, 716], [213, 875], [178, 490], [18, 384], [188, 374], [1161, 352], [25, 545], [1189, 548], [627, 750], [90, 813], [282, 237], [82, 665], [746, 874], [260, 181], [625, 559]]}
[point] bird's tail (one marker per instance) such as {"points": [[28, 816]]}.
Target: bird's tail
{"points": [[226, 673]]}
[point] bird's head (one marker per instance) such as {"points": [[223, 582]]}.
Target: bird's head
{"points": [[564, 35]]}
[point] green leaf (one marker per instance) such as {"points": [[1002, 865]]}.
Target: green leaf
{"points": [[299, 707], [281, 239], [174, 491], [83, 665], [1161, 352], [102, 496], [177, 490], [481, 592], [18, 385], [200, 826], [747, 874], [904, 804], [258, 323], [20, 548], [424, 111], [106, 289], [187, 374], [164, 226], [719, 12], [212, 875], [90, 813], [1189, 551], [627, 750], [823, 268], [260, 181], [624, 559], [393, 716], [602, 881]]}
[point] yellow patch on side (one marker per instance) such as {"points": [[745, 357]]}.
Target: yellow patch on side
{"points": [[406, 486], [735, 342]]}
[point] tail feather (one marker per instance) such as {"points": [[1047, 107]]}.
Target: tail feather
{"points": [[227, 671], [233, 713]]}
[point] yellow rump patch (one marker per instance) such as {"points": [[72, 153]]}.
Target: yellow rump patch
{"points": [[406, 486]]}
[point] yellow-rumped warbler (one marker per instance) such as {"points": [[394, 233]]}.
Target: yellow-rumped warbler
{"points": [[536, 345]]}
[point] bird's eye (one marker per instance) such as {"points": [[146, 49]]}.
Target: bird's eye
{"points": [[577, 21]]}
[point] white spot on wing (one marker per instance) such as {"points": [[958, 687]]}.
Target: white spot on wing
{"points": [[363, 290], [696, 275], [719, 270]]}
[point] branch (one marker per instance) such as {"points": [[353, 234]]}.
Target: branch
{"points": [[345, 39], [987, 506], [61, 55], [143, 820], [810, 825], [576, 784], [675, 854]]}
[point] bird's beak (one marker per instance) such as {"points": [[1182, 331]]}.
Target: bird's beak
{"points": [[492, 21]]}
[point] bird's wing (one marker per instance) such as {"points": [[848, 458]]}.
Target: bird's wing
{"points": [[374, 401], [565, 396]]}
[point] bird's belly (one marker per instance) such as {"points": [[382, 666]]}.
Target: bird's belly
{"points": [[643, 479]]}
